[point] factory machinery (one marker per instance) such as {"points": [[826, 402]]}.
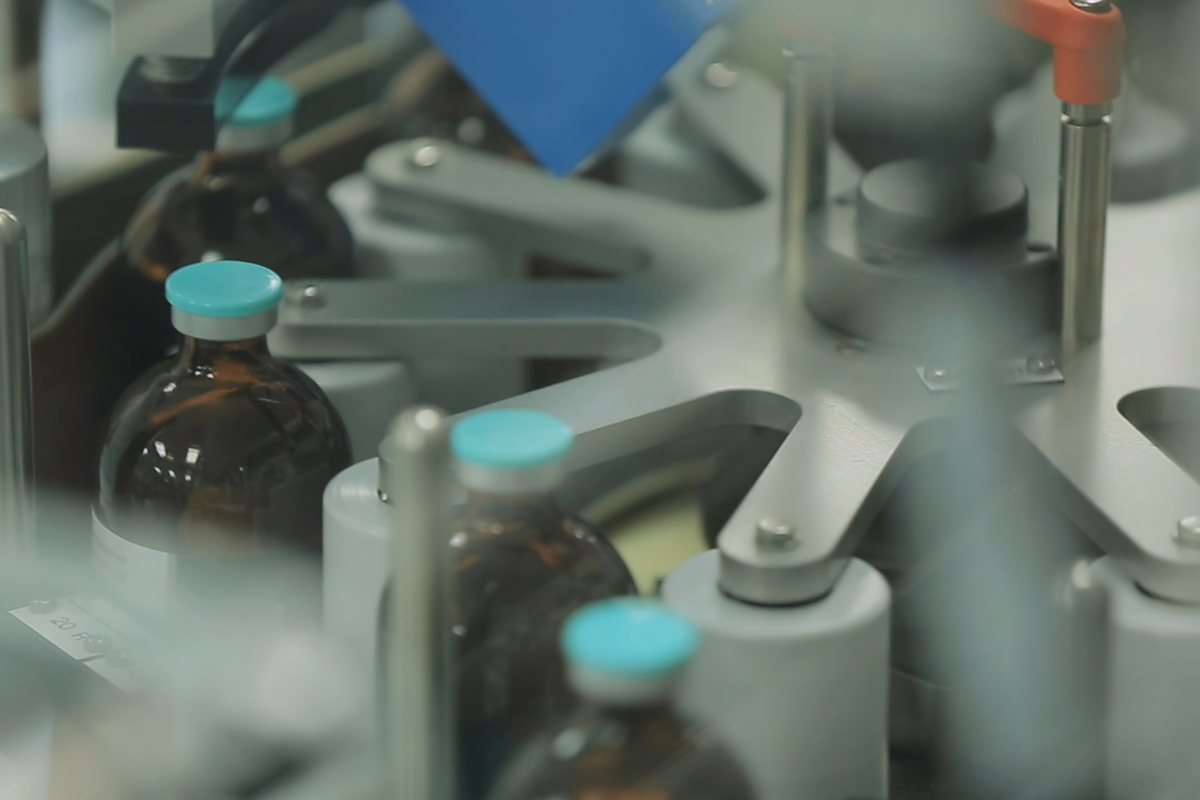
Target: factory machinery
{"points": [[937, 394]]}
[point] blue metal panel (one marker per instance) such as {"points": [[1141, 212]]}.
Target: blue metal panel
{"points": [[707, 12], [564, 75]]}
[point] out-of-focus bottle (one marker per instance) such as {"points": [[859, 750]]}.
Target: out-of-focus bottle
{"points": [[625, 742], [216, 459], [521, 566], [240, 203]]}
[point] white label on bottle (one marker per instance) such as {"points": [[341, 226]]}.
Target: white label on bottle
{"points": [[66, 626], [142, 577]]}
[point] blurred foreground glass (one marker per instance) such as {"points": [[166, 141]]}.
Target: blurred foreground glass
{"points": [[240, 203], [625, 742], [521, 566], [219, 455]]}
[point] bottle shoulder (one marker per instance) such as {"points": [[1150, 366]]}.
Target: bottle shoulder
{"points": [[231, 418], [278, 218], [607, 751], [533, 540]]}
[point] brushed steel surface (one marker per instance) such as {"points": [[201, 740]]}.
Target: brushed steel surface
{"points": [[16, 403], [1083, 207], [698, 304], [807, 131]]}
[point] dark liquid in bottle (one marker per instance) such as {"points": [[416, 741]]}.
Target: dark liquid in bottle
{"points": [[607, 753], [243, 206], [223, 452], [520, 569]]}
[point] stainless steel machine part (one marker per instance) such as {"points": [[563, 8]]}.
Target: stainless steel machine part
{"points": [[415, 476], [16, 402], [790, 723], [807, 130], [25, 190], [710, 339], [1083, 212]]}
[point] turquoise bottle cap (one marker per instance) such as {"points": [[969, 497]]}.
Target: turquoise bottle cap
{"points": [[268, 100], [629, 637], [511, 451], [224, 300], [263, 117]]}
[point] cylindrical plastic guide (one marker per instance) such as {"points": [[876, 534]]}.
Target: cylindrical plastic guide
{"points": [[355, 560], [16, 403], [798, 693], [25, 191], [1152, 706], [415, 476]]}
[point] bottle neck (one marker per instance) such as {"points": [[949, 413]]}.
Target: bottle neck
{"points": [[489, 504], [200, 353], [230, 162], [631, 714]]}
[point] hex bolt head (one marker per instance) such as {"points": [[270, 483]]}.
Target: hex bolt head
{"points": [[773, 533], [1187, 532], [426, 156], [719, 76], [1040, 365], [1095, 6], [43, 605], [98, 643]]}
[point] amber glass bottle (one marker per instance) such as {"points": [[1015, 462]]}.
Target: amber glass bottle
{"points": [[218, 456], [521, 566], [625, 742], [240, 203]]}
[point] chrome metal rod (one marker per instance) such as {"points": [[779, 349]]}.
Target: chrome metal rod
{"points": [[1082, 221], [807, 128], [414, 463], [16, 403]]}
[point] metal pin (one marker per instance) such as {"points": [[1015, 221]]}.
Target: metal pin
{"points": [[16, 401], [414, 462], [1082, 221], [807, 128]]}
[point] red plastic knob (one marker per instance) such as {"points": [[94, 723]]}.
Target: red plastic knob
{"points": [[1087, 45]]}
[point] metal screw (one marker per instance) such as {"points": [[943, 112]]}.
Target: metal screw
{"points": [[937, 374], [43, 605], [773, 533], [1040, 365], [426, 156], [98, 643], [307, 295], [383, 497], [720, 76], [1096, 6], [1187, 532]]}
